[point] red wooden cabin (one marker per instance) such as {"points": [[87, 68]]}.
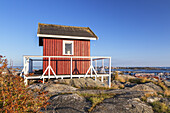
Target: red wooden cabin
{"points": [[59, 40]]}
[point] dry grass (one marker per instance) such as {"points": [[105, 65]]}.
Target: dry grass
{"points": [[162, 85], [115, 87], [157, 106], [121, 86], [126, 79], [121, 79], [144, 80], [95, 98], [96, 88], [117, 77], [139, 80], [166, 90], [144, 98]]}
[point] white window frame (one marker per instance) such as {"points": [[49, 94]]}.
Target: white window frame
{"points": [[70, 42]]}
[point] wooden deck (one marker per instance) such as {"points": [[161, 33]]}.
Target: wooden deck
{"points": [[49, 73], [65, 76]]}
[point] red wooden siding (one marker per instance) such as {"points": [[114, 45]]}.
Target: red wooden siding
{"points": [[54, 47]]}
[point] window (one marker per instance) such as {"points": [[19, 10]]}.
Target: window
{"points": [[68, 47]]}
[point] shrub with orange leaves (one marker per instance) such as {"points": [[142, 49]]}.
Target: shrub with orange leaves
{"points": [[3, 63], [16, 97]]}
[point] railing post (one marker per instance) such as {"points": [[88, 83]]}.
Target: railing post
{"points": [[103, 63], [102, 78], [49, 68], [27, 66], [109, 78], [102, 69], [24, 65], [71, 68], [96, 65]]}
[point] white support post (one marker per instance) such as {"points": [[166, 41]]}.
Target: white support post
{"points": [[87, 72], [21, 72], [44, 73], [96, 65], [71, 68], [103, 63], [24, 65], [31, 66], [102, 69], [25, 72], [49, 68], [27, 66], [28, 63], [94, 70], [91, 66], [102, 78], [53, 72], [109, 78]]}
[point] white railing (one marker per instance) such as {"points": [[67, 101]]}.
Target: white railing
{"points": [[28, 67]]}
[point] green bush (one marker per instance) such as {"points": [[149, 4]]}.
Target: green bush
{"points": [[160, 107]]}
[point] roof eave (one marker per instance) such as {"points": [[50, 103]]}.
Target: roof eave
{"points": [[66, 37], [93, 33]]}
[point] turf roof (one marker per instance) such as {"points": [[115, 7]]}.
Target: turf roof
{"points": [[51, 29]]}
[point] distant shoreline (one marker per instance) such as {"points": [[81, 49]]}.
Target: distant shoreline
{"points": [[131, 68], [144, 68]]}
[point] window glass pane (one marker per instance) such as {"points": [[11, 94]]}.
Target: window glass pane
{"points": [[68, 48]]}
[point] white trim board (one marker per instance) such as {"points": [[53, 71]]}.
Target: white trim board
{"points": [[61, 36]]}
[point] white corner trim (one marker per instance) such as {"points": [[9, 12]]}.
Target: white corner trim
{"points": [[64, 42], [61, 36]]}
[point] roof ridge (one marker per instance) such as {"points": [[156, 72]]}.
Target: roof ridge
{"points": [[61, 25]]}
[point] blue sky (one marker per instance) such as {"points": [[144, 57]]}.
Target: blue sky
{"points": [[132, 32]]}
